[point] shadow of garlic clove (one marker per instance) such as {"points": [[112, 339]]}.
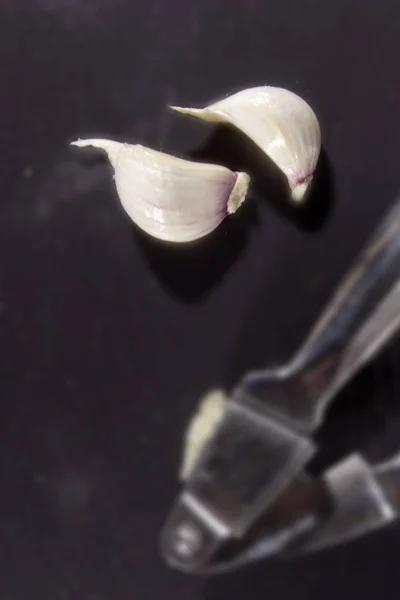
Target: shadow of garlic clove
{"points": [[169, 198], [281, 123]]}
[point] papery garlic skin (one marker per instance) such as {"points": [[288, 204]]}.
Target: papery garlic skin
{"points": [[201, 427], [170, 198], [281, 123]]}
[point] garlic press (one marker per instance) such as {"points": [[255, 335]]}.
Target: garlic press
{"points": [[250, 495]]}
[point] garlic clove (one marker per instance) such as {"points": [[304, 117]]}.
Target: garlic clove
{"points": [[281, 123], [170, 198], [202, 425]]}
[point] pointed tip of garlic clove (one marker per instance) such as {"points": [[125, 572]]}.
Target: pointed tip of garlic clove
{"points": [[300, 190], [111, 147], [185, 111], [205, 114], [208, 415], [239, 192]]}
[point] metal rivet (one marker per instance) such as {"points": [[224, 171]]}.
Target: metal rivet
{"points": [[188, 540]]}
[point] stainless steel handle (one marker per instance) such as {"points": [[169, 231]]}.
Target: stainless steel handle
{"points": [[362, 317], [364, 497]]}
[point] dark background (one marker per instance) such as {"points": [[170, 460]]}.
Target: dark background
{"points": [[107, 340]]}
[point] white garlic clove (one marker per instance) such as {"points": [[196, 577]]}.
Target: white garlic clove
{"points": [[281, 123], [202, 425], [170, 198]]}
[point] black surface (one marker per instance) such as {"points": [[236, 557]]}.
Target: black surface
{"points": [[107, 342]]}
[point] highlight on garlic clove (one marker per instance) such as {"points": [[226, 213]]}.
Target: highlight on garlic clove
{"points": [[281, 123], [170, 198], [200, 429]]}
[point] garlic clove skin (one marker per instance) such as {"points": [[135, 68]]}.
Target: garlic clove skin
{"points": [[200, 429], [169, 198], [281, 123]]}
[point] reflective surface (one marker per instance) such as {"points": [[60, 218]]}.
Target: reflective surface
{"points": [[258, 450]]}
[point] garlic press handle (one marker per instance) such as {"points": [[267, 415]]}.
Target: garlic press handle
{"points": [[263, 442], [363, 315], [365, 497]]}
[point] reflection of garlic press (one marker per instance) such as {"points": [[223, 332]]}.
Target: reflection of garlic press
{"points": [[249, 495]]}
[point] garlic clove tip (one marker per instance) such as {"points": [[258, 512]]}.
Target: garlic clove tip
{"points": [[300, 190], [111, 147], [185, 111], [200, 113]]}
